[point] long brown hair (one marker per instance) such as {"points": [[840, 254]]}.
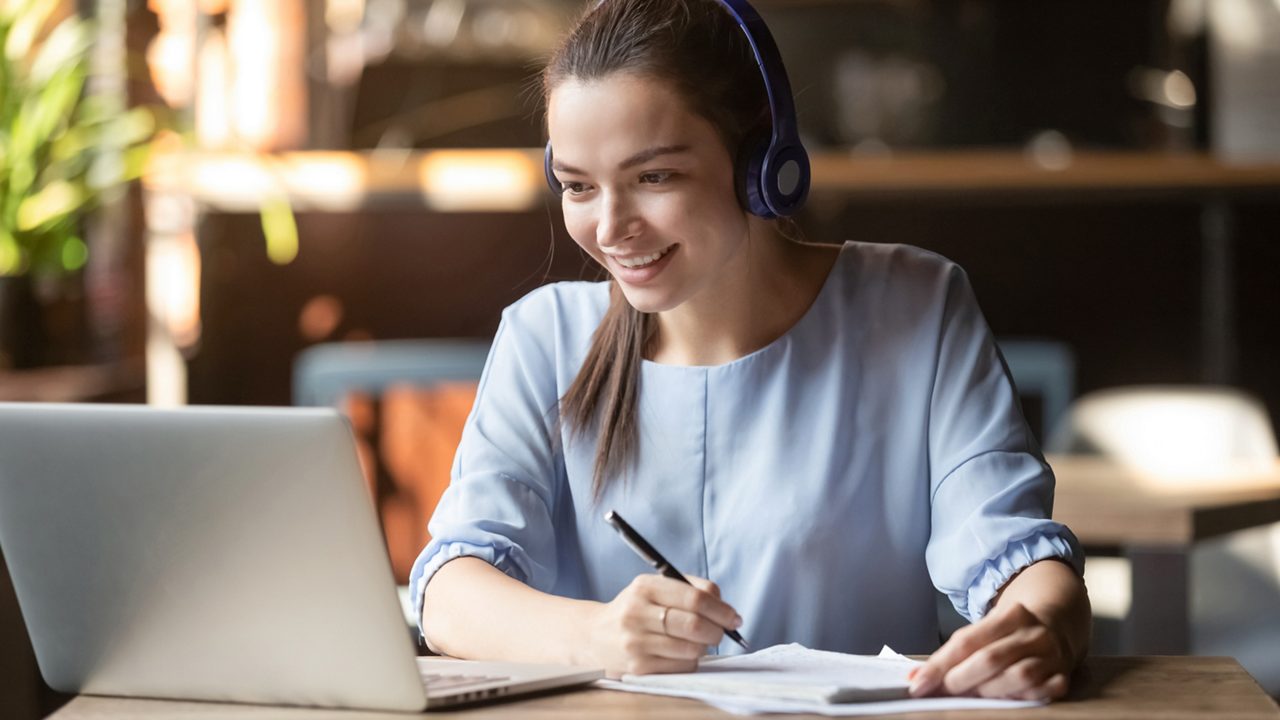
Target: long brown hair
{"points": [[697, 47]]}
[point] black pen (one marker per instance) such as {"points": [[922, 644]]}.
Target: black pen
{"points": [[654, 558]]}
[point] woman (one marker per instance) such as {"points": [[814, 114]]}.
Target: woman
{"points": [[828, 432]]}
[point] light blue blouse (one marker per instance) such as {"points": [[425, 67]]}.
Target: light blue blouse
{"points": [[828, 482]]}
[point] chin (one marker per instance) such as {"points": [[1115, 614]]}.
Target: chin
{"points": [[647, 301]]}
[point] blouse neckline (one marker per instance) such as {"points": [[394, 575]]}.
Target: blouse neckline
{"points": [[777, 342]]}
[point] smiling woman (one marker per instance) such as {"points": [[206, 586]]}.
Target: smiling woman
{"points": [[637, 210], [654, 160], [829, 432]]}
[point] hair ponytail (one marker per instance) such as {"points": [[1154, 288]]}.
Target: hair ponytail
{"points": [[607, 387]]}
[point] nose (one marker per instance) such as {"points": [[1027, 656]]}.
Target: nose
{"points": [[618, 221]]}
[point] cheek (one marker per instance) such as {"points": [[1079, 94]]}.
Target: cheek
{"points": [[673, 211], [580, 227], [701, 217]]}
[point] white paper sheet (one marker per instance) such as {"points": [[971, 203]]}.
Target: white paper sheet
{"points": [[736, 683]]}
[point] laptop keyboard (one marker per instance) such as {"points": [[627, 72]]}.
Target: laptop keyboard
{"points": [[436, 682]]}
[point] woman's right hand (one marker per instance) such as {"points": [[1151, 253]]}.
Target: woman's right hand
{"points": [[658, 625]]}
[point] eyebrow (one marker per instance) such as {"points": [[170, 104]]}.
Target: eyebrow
{"points": [[639, 158]]}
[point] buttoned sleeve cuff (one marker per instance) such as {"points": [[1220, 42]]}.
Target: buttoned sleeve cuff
{"points": [[1053, 541], [502, 555]]}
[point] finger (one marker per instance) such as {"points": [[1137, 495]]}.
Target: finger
{"points": [[1054, 688], [1024, 676], [653, 664], [639, 648], [704, 585], [990, 661], [672, 648], [692, 627], [965, 642], [675, 594]]}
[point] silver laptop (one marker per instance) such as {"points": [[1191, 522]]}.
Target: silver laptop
{"points": [[226, 554]]}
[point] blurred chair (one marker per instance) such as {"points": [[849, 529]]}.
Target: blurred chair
{"points": [[1188, 438], [323, 373], [407, 401], [1171, 432], [1043, 371]]}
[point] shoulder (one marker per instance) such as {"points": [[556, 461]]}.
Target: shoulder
{"points": [[874, 275], [899, 265], [889, 293], [555, 322], [560, 306]]}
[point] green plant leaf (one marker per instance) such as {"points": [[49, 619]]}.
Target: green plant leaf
{"points": [[44, 110], [280, 230], [105, 171], [133, 127], [96, 110], [21, 176], [76, 141], [28, 17], [27, 21], [68, 43], [10, 254], [46, 207], [135, 161], [62, 152], [75, 253]]}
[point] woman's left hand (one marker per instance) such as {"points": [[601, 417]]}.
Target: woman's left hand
{"points": [[1010, 653]]}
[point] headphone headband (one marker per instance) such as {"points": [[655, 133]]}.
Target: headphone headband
{"points": [[775, 178], [776, 85]]}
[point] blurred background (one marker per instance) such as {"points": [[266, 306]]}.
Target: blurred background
{"points": [[278, 202]]}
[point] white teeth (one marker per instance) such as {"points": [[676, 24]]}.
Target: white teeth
{"points": [[641, 261]]}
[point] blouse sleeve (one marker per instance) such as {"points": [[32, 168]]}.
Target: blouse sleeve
{"points": [[499, 503], [992, 492]]}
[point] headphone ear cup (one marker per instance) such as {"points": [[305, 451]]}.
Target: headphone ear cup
{"points": [[552, 181], [747, 169]]}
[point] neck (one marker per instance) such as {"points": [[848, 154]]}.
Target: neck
{"points": [[762, 292]]}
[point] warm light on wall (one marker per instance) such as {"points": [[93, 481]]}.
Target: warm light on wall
{"points": [[234, 181], [343, 15], [213, 122], [173, 286], [492, 180], [268, 89], [335, 180], [247, 80], [243, 177], [170, 52]]}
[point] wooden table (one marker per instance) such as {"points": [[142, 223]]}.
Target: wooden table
{"points": [[1155, 525], [1105, 688]]}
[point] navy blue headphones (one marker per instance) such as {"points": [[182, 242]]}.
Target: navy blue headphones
{"points": [[772, 171]]}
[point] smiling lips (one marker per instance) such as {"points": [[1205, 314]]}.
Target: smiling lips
{"points": [[640, 269], [635, 262]]}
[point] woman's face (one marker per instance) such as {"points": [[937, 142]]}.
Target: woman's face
{"points": [[648, 187]]}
